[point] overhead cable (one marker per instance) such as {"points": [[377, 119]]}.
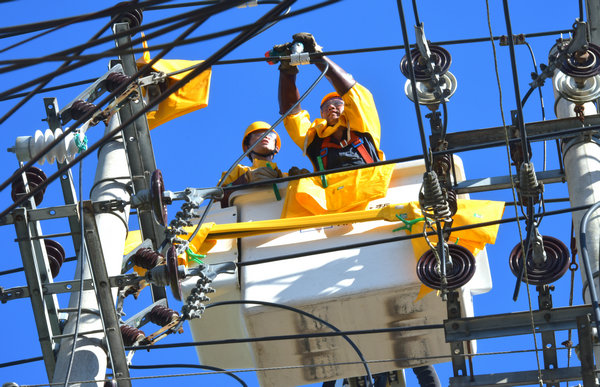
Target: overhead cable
{"points": [[200, 366], [6, 32], [238, 40], [145, 69]]}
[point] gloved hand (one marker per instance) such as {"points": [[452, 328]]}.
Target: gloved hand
{"points": [[295, 171], [309, 42], [262, 174], [284, 65]]}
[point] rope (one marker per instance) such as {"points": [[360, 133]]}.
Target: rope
{"points": [[524, 138]]}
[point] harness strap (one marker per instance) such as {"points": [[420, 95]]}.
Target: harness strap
{"points": [[356, 142]]}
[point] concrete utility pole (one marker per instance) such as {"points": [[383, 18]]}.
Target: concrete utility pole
{"points": [[90, 358], [581, 155]]}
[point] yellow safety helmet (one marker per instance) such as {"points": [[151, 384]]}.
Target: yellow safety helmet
{"points": [[260, 125], [330, 96]]}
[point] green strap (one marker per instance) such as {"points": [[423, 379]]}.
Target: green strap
{"points": [[321, 168], [407, 223], [194, 257], [275, 189]]}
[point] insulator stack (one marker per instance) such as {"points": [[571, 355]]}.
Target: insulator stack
{"points": [[458, 274], [162, 315], [114, 80], [441, 60], [542, 273], [133, 17], [432, 198], [528, 183], [131, 335], [80, 108], [442, 164], [35, 177], [146, 258], [194, 306], [27, 147], [56, 256]]}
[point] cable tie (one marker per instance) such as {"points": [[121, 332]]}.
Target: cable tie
{"points": [[81, 144]]}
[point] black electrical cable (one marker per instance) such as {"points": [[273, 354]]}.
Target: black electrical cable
{"points": [[86, 116], [581, 10], [401, 238], [59, 56], [515, 76], [122, 7], [328, 53], [44, 83], [20, 43], [285, 337], [586, 262], [180, 20], [416, 12], [53, 88], [197, 3], [199, 366], [238, 40], [22, 361], [413, 81]]}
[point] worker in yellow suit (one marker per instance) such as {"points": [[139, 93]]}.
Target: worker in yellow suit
{"points": [[348, 131], [347, 134], [261, 156]]}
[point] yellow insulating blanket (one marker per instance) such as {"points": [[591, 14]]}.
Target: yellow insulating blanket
{"points": [[190, 97], [469, 212], [345, 191]]}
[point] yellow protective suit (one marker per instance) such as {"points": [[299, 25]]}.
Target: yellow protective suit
{"points": [[191, 97], [360, 115], [345, 191]]}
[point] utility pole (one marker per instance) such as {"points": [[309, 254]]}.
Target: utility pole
{"points": [[581, 155], [90, 357]]}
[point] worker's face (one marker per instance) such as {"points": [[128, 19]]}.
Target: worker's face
{"points": [[331, 110], [266, 145]]}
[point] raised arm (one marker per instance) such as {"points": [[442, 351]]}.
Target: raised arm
{"points": [[337, 76]]}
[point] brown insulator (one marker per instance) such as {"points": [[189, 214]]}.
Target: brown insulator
{"points": [[440, 56], [131, 335], [35, 177], [458, 273], [146, 258], [79, 108], [157, 188], [162, 315], [555, 266], [114, 80], [133, 17], [56, 256]]}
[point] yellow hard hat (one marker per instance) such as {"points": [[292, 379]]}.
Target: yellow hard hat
{"points": [[330, 96], [260, 125]]}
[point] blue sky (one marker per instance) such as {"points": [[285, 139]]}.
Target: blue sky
{"points": [[193, 150]]}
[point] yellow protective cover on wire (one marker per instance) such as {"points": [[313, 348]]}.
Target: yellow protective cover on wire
{"points": [[191, 97], [345, 191]]}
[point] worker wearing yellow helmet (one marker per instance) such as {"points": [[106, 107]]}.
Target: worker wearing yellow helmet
{"points": [[261, 156], [348, 131]]}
